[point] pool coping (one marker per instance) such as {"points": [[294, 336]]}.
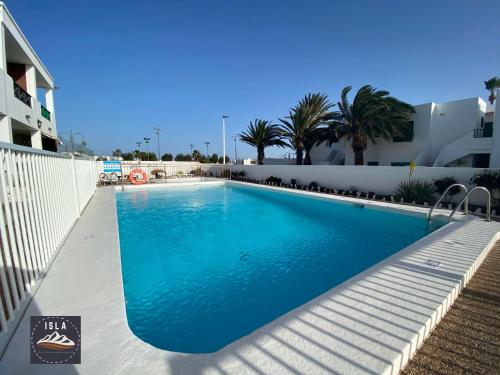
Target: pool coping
{"points": [[371, 323]]}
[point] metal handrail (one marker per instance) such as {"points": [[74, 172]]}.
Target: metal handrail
{"points": [[429, 215], [488, 203]]}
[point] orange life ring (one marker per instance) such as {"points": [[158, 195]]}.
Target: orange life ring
{"points": [[133, 174]]}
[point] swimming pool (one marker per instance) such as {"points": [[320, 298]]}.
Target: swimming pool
{"points": [[205, 265]]}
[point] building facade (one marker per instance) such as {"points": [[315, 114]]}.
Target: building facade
{"points": [[458, 133], [27, 113]]}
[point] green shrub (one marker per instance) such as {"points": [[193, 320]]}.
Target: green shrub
{"points": [[441, 184], [272, 179], [491, 181], [416, 190], [313, 185]]}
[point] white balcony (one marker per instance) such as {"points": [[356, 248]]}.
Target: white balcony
{"points": [[29, 112]]}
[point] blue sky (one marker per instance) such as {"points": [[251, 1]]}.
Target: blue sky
{"points": [[126, 66]]}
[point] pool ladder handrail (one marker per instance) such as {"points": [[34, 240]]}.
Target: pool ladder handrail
{"points": [[466, 199]]}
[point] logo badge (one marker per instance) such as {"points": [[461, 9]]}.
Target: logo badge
{"points": [[55, 339]]}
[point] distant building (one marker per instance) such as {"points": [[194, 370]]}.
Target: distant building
{"points": [[248, 161], [458, 133], [27, 113]]}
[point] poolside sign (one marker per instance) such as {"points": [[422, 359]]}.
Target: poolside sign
{"points": [[112, 166], [55, 339]]}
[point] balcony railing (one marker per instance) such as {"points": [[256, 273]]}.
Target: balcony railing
{"points": [[22, 95], [486, 132], [45, 112]]}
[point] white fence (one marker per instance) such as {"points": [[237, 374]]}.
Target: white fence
{"points": [[379, 180], [164, 172], [42, 195]]}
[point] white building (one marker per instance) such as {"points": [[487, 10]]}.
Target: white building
{"points": [[27, 115], [458, 133]]}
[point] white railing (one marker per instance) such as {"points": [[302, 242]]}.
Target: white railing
{"points": [[42, 194], [166, 172]]}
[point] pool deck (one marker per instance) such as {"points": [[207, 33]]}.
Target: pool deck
{"points": [[371, 324]]}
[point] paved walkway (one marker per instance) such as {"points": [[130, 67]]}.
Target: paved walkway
{"points": [[467, 340]]}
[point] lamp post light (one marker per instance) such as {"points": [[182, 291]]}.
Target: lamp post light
{"points": [[224, 117], [207, 144], [71, 140], [138, 150], [235, 137], [146, 140], [157, 131]]}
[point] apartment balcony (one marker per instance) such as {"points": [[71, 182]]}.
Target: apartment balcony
{"points": [[486, 132], [45, 112], [18, 104]]}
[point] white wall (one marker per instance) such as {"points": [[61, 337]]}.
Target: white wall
{"points": [[495, 150], [380, 180], [453, 120], [149, 166]]}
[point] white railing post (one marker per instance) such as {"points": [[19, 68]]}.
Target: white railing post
{"points": [[75, 186]]}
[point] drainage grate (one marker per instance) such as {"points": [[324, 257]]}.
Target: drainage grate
{"points": [[432, 263]]}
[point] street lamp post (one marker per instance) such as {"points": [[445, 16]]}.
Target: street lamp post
{"points": [[146, 141], [71, 140], [157, 131], [224, 117], [138, 150], [235, 137], [207, 144]]}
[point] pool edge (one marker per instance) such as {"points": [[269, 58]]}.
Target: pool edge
{"points": [[271, 347]]}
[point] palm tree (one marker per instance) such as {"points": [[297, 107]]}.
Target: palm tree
{"points": [[373, 113], [261, 134], [491, 85], [303, 119]]}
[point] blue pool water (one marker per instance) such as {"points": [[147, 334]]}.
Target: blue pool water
{"points": [[204, 266]]}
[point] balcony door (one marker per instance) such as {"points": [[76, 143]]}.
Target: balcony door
{"points": [[18, 74]]}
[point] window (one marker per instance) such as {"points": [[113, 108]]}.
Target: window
{"points": [[407, 134], [400, 163], [488, 130], [481, 161], [373, 163]]}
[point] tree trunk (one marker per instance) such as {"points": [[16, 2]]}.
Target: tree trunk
{"points": [[307, 158], [492, 97], [299, 149], [358, 147], [358, 156], [260, 155]]}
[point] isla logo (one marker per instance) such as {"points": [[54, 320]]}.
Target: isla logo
{"points": [[55, 339]]}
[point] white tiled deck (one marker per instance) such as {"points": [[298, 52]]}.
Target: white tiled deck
{"points": [[369, 324]]}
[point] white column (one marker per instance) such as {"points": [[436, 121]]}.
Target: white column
{"points": [[36, 139], [5, 130], [31, 80], [49, 100], [3, 52], [495, 142], [223, 140]]}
